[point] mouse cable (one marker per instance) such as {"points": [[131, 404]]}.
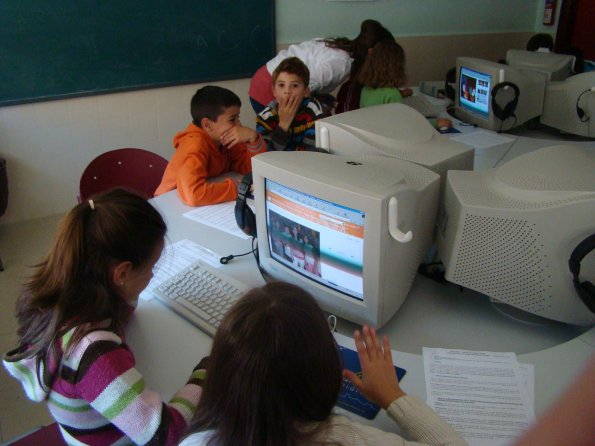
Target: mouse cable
{"points": [[225, 260]]}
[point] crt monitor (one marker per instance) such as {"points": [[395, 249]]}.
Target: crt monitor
{"points": [[496, 96], [396, 131], [350, 230], [553, 66], [569, 105], [511, 230]]}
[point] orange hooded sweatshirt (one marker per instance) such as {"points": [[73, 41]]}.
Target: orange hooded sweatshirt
{"points": [[198, 158]]}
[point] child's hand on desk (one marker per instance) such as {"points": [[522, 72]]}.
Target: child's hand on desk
{"points": [[286, 109], [405, 92], [238, 134], [379, 381]]}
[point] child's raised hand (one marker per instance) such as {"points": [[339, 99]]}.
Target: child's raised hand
{"points": [[238, 134], [287, 108], [379, 381]]}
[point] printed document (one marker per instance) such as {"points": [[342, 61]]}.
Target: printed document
{"points": [[220, 216], [482, 395]]}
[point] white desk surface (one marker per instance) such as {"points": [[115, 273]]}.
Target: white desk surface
{"points": [[434, 315]]}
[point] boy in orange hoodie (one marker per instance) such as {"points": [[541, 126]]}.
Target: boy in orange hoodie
{"points": [[215, 142]]}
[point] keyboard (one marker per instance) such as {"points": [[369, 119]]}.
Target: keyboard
{"points": [[423, 105], [201, 295]]}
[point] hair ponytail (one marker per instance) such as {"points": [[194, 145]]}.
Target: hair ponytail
{"points": [[72, 287]]}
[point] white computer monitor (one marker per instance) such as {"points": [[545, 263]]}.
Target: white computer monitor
{"points": [[509, 231], [476, 81], [569, 105], [396, 131], [350, 230], [554, 66]]}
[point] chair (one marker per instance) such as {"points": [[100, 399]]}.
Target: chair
{"points": [[136, 169], [47, 436]]}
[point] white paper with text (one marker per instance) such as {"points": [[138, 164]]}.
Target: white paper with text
{"points": [[482, 395]]}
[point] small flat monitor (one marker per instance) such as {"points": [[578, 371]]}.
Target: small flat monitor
{"points": [[509, 231], [476, 81], [350, 230], [554, 66]]}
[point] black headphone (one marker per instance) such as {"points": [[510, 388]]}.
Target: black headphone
{"points": [[245, 218], [585, 290], [503, 113], [579, 110], [451, 78]]}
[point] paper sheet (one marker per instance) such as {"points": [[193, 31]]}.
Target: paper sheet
{"points": [[482, 395], [482, 139], [220, 216], [174, 259]]}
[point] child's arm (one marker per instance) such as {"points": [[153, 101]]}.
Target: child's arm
{"points": [[192, 185], [239, 134], [241, 155], [108, 380]]}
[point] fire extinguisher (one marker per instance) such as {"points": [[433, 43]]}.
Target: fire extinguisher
{"points": [[549, 12]]}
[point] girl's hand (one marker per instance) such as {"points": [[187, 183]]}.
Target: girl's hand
{"points": [[238, 134], [379, 381]]}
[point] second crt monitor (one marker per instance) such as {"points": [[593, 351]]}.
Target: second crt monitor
{"points": [[496, 96], [393, 130], [509, 232], [350, 230]]}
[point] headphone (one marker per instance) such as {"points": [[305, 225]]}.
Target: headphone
{"points": [[585, 290], [579, 110], [508, 111], [449, 90], [245, 218]]}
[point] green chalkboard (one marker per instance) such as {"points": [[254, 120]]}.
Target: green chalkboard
{"points": [[51, 49]]}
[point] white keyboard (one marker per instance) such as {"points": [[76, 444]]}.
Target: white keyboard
{"points": [[423, 105], [201, 295]]}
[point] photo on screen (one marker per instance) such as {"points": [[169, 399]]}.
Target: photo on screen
{"points": [[295, 243]]}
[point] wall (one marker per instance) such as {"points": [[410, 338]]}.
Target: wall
{"points": [[47, 145]]}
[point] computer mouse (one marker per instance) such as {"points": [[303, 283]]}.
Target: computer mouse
{"points": [[443, 124]]}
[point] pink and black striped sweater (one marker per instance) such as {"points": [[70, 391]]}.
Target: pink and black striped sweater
{"points": [[99, 398]]}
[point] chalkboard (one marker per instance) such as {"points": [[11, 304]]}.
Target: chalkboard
{"points": [[51, 49]]}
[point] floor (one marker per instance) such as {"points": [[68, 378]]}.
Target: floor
{"points": [[21, 245]]}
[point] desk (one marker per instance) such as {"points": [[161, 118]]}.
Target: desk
{"points": [[433, 315]]}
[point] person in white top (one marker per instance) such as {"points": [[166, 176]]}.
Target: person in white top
{"points": [[274, 375], [330, 62]]}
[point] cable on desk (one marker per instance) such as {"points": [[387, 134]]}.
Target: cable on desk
{"points": [[225, 260]]}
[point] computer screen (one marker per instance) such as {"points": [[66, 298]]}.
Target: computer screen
{"points": [[554, 66], [350, 230], [319, 239], [509, 231], [474, 91], [476, 103]]}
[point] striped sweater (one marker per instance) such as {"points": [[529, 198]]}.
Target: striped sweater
{"points": [[301, 133], [99, 398]]}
